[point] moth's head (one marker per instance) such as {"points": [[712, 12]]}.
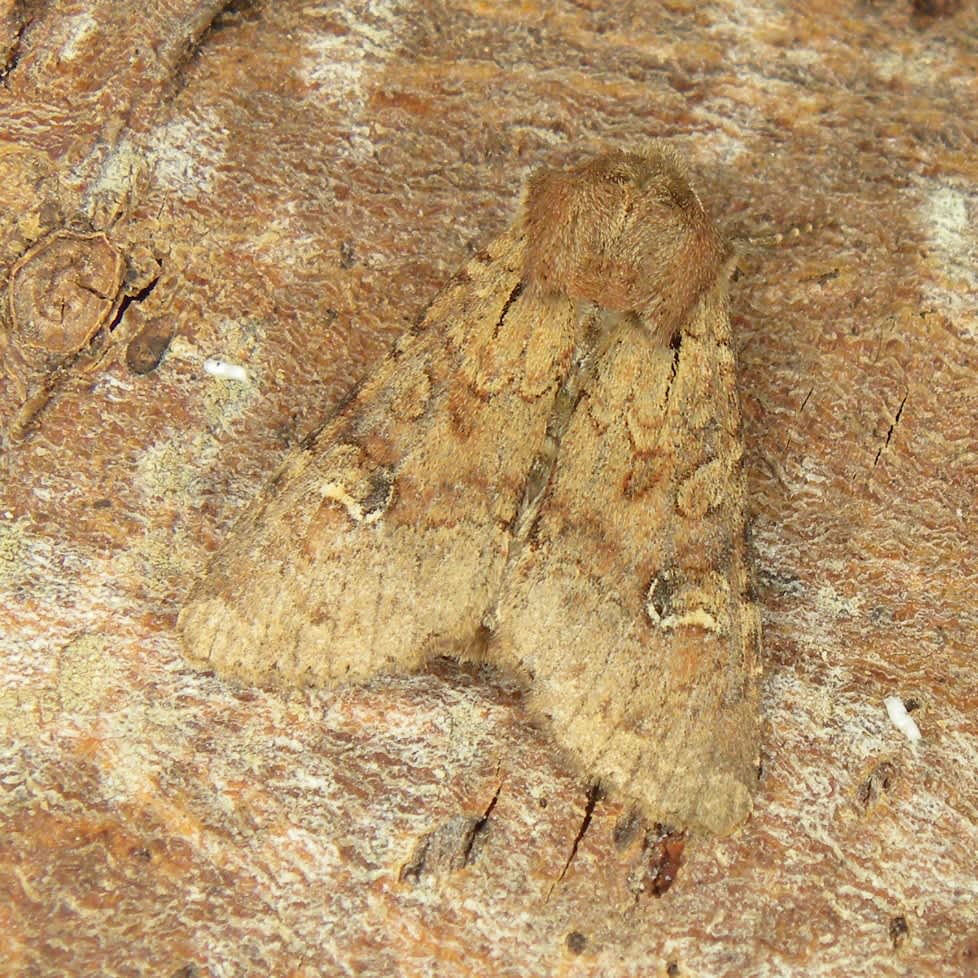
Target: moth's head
{"points": [[625, 231]]}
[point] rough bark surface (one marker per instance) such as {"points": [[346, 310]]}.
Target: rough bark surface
{"points": [[288, 184]]}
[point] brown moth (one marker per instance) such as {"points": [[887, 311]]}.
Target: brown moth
{"points": [[544, 476]]}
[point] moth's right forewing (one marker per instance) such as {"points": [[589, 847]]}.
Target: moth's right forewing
{"points": [[382, 541]]}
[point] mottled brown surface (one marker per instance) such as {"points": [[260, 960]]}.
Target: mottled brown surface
{"points": [[298, 181], [544, 481]]}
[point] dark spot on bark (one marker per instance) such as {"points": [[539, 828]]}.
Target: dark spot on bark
{"points": [[899, 930], [626, 830], [879, 783], [576, 942], [147, 347]]}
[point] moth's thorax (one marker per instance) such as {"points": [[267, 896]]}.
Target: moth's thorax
{"points": [[625, 231]]}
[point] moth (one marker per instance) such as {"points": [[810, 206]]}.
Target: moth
{"points": [[544, 476]]}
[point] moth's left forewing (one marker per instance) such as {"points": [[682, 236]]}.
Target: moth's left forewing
{"points": [[630, 606], [381, 540]]}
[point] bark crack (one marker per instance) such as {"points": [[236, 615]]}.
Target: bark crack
{"points": [[890, 430], [14, 52], [593, 796]]}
